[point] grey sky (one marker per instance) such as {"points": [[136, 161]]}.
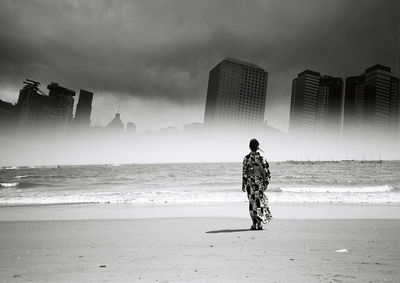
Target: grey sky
{"points": [[153, 57]]}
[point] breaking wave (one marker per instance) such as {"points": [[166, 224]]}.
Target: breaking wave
{"points": [[364, 189], [19, 185], [7, 185]]}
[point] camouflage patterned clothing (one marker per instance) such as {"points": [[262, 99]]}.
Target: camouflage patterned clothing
{"points": [[256, 178]]}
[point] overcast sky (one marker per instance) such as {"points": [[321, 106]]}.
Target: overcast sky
{"points": [[153, 57]]}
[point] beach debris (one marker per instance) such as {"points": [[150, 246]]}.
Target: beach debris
{"points": [[102, 266], [342, 251], [211, 246], [16, 275], [291, 258]]}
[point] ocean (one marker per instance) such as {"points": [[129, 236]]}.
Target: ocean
{"points": [[345, 182]]}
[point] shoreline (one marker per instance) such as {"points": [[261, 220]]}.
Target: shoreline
{"points": [[96, 211]]}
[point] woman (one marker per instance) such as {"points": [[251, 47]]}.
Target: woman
{"points": [[256, 178]]}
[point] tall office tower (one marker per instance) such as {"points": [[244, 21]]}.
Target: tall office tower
{"points": [[303, 107], [236, 96], [351, 118], [395, 106], [39, 113], [83, 109], [375, 96], [63, 100], [329, 106], [316, 104], [7, 118]]}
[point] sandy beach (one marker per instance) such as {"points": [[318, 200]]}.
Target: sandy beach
{"points": [[182, 249]]}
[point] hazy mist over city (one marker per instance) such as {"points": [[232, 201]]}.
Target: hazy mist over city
{"points": [[146, 68]]}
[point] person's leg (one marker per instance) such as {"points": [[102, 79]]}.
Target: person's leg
{"points": [[253, 215], [259, 212]]}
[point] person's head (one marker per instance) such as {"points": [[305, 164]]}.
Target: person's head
{"points": [[254, 145]]}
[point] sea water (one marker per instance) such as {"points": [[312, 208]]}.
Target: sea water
{"points": [[346, 182]]}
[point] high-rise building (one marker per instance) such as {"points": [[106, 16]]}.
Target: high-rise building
{"points": [[83, 109], [395, 105], [303, 107], [39, 113], [329, 105], [353, 88], [7, 118], [236, 96], [372, 103], [316, 104]]}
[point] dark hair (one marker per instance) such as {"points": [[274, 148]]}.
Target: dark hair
{"points": [[254, 145]]}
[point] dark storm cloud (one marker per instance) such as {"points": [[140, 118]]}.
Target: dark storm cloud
{"points": [[164, 49]]}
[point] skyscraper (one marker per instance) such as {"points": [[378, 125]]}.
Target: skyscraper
{"points": [[329, 105], [303, 107], [7, 118], [39, 113], [353, 88], [236, 96], [374, 99], [316, 104], [83, 109]]}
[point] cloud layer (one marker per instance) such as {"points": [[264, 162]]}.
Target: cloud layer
{"points": [[161, 51]]}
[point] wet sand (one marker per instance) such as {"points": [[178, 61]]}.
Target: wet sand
{"points": [[199, 249]]}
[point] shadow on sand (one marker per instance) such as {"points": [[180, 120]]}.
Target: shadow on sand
{"points": [[227, 231]]}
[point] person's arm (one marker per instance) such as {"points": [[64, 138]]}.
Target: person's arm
{"points": [[267, 173], [244, 175]]}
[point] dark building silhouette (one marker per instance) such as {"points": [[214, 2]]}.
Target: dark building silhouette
{"points": [[354, 85], [39, 113], [329, 105], [372, 103], [303, 106], [316, 104], [8, 117], [236, 96], [83, 109]]}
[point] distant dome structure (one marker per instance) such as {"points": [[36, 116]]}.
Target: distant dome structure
{"points": [[116, 124]]}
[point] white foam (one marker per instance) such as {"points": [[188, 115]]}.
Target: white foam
{"points": [[9, 184], [365, 189], [188, 197], [10, 167], [20, 177]]}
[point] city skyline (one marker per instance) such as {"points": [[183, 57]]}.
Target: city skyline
{"points": [[236, 100], [162, 66]]}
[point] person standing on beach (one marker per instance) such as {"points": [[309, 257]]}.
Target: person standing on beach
{"points": [[256, 177]]}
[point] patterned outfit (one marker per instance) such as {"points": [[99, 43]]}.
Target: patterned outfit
{"points": [[256, 178]]}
